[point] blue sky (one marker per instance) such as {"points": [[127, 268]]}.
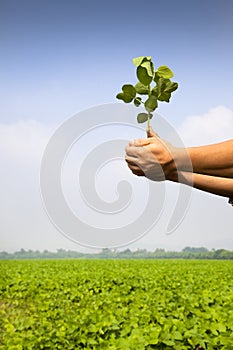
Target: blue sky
{"points": [[62, 57], [59, 57]]}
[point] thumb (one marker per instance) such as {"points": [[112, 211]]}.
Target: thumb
{"points": [[151, 133]]}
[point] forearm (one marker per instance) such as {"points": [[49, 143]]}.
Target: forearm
{"points": [[216, 159], [212, 184]]}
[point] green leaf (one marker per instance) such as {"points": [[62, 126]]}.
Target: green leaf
{"points": [[177, 336], [155, 91], [142, 117], [156, 77], [161, 84], [137, 101], [164, 72], [143, 76], [120, 96], [128, 93], [169, 342], [151, 103], [149, 68], [124, 98], [221, 327], [138, 60], [129, 90], [154, 336], [141, 89], [164, 96], [170, 86]]}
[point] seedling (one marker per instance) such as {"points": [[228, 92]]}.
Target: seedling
{"points": [[154, 84]]}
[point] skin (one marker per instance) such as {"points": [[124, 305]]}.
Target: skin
{"points": [[207, 168]]}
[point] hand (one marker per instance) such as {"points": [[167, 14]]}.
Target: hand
{"points": [[151, 157]]}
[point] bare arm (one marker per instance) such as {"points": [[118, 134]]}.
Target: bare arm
{"points": [[207, 168], [212, 184], [215, 159]]}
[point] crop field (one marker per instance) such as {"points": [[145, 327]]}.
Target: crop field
{"points": [[116, 304]]}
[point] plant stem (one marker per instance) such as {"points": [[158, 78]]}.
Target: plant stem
{"points": [[148, 123], [148, 118]]}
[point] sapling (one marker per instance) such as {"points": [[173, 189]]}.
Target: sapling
{"points": [[154, 84]]}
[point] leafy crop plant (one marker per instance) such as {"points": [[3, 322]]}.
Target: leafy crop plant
{"points": [[154, 84]]}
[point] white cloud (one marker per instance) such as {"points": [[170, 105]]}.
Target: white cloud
{"points": [[214, 126], [24, 140]]}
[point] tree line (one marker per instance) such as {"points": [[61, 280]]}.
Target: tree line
{"points": [[106, 253]]}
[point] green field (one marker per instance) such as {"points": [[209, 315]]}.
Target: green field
{"points": [[116, 304]]}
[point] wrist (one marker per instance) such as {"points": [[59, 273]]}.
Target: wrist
{"points": [[172, 175], [182, 177], [182, 159], [176, 163]]}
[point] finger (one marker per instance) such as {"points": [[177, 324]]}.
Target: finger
{"points": [[139, 142], [133, 151], [133, 163], [136, 171], [133, 166], [130, 160], [129, 152]]}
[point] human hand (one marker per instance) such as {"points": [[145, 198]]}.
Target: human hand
{"points": [[152, 157]]}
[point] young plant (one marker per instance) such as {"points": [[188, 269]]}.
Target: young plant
{"points": [[154, 84]]}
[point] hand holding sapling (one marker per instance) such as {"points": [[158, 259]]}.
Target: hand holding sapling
{"points": [[160, 90], [157, 159], [152, 157]]}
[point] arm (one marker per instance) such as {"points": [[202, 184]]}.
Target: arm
{"points": [[216, 159], [212, 184], [208, 168]]}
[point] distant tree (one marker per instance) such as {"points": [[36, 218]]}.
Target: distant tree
{"points": [[195, 250], [222, 254], [106, 253]]}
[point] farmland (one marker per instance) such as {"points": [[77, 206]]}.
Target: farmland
{"points": [[116, 304]]}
